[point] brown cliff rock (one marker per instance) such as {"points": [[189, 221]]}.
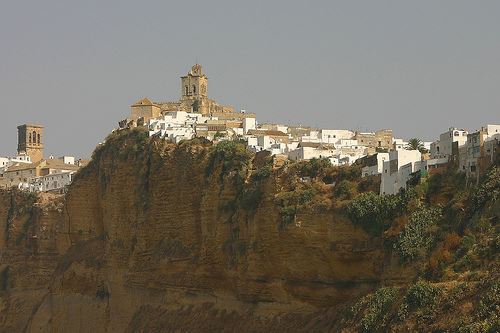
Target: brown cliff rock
{"points": [[149, 238]]}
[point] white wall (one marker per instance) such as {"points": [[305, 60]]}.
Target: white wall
{"points": [[248, 124], [408, 161], [443, 146], [332, 136], [375, 169]]}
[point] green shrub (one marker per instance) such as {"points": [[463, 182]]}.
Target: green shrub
{"points": [[291, 201], [313, 168], [420, 296], [262, 173], [232, 155], [486, 317], [374, 212], [488, 190], [345, 189], [417, 236], [375, 308]]}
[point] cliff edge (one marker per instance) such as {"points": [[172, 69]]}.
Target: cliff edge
{"points": [[154, 236]]}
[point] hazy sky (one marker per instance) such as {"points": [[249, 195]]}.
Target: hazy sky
{"points": [[418, 67]]}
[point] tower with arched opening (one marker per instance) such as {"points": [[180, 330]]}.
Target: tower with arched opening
{"points": [[30, 141]]}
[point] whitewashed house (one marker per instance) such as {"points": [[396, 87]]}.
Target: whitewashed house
{"points": [[56, 182], [310, 150], [397, 169], [374, 164], [443, 146], [330, 136], [399, 144]]}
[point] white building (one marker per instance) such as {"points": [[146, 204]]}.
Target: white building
{"points": [[308, 151], [480, 150], [249, 124], [399, 144], [68, 159], [374, 165], [330, 136], [6, 162], [443, 146], [397, 169], [55, 182], [176, 125]]}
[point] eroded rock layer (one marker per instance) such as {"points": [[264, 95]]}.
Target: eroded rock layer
{"points": [[151, 237]]}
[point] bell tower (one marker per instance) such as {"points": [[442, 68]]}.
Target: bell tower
{"points": [[195, 84], [30, 141]]}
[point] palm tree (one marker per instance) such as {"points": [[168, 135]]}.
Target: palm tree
{"points": [[416, 144]]}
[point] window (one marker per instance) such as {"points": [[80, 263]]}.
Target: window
{"points": [[187, 90], [456, 134], [30, 138], [194, 89], [34, 137], [38, 136]]}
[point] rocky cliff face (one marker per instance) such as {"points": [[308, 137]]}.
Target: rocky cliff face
{"points": [[154, 237]]}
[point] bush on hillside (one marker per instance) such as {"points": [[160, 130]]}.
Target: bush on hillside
{"points": [[418, 236], [375, 308], [374, 212], [420, 296], [232, 155]]}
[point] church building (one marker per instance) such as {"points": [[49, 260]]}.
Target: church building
{"points": [[194, 98]]}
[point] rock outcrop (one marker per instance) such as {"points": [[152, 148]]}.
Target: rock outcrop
{"points": [[151, 237]]}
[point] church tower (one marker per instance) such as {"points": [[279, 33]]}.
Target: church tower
{"points": [[194, 85], [30, 141]]}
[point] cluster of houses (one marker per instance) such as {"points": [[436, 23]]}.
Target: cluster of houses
{"points": [[195, 115], [380, 154], [470, 153], [30, 171]]}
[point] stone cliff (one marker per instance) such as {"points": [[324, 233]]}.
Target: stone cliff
{"points": [[153, 236]]}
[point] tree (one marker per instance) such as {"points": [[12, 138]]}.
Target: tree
{"points": [[416, 144]]}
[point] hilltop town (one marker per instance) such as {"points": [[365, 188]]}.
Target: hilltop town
{"points": [[396, 161]]}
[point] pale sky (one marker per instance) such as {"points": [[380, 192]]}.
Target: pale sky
{"points": [[417, 67]]}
